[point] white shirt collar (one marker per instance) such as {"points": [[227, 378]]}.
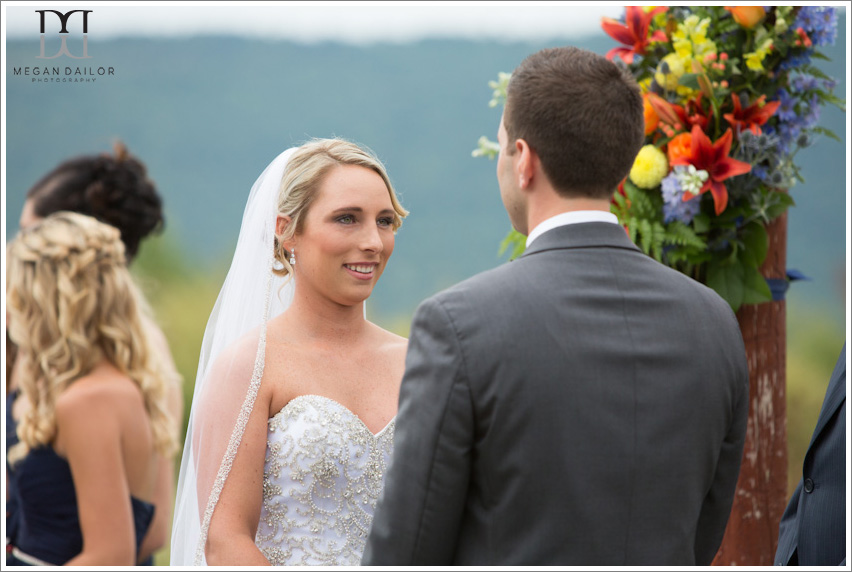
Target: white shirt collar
{"points": [[572, 217]]}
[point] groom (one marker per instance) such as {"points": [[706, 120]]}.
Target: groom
{"points": [[583, 404]]}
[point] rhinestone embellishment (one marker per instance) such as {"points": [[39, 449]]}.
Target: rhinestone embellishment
{"points": [[323, 474]]}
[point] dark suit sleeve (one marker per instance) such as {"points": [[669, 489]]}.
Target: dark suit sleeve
{"points": [[418, 516], [717, 504]]}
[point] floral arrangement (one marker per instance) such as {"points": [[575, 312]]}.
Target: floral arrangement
{"points": [[730, 96]]}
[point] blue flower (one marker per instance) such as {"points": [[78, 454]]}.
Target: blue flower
{"points": [[829, 84], [804, 82], [795, 61], [812, 117], [819, 22], [805, 19], [787, 135], [674, 207], [760, 171], [787, 110]]}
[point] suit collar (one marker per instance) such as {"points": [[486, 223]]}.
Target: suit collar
{"points": [[582, 235]]}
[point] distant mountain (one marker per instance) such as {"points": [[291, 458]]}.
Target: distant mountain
{"points": [[207, 114]]}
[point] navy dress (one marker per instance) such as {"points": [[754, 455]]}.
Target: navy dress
{"points": [[42, 523]]}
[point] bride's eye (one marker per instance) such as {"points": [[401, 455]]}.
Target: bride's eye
{"points": [[385, 222], [346, 219]]}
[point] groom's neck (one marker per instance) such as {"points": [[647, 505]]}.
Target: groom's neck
{"points": [[546, 203]]}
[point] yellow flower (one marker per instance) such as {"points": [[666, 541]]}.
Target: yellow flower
{"points": [[691, 45], [690, 38], [649, 168], [669, 81], [754, 60]]}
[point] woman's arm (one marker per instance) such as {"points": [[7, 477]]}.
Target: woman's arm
{"points": [[158, 532], [233, 527], [233, 524]]}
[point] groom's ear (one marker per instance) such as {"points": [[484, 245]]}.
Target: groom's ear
{"points": [[525, 164]]}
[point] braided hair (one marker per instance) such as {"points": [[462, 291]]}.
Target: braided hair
{"points": [[71, 303]]}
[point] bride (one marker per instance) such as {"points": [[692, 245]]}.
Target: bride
{"points": [[296, 394]]}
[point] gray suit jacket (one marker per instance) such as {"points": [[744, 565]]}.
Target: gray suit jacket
{"points": [[581, 405], [813, 528]]}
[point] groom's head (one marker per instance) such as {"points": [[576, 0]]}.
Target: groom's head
{"points": [[580, 114]]}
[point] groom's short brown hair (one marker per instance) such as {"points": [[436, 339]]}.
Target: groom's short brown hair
{"points": [[581, 113]]}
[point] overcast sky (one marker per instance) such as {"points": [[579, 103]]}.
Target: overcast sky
{"points": [[349, 22]]}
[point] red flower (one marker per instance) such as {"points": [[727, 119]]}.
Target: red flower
{"points": [[713, 158], [634, 33], [753, 116], [678, 117], [620, 190], [695, 114]]}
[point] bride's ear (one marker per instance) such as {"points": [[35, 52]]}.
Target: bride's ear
{"points": [[282, 223]]}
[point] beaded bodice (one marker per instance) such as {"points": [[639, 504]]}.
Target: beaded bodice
{"points": [[323, 474]]}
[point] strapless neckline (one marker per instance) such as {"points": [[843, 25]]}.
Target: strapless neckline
{"points": [[360, 422]]}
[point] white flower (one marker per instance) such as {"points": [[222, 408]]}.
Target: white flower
{"points": [[690, 178]]}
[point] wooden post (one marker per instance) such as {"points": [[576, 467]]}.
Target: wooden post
{"points": [[761, 497]]}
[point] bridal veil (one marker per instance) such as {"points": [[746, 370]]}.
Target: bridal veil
{"points": [[230, 367]]}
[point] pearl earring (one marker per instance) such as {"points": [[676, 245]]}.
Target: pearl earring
{"points": [[293, 257]]}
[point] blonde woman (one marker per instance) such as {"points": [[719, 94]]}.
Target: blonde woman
{"points": [[293, 412], [115, 188], [88, 418]]}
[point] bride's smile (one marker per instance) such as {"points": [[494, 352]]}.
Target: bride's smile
{"points": [[363, 270]]}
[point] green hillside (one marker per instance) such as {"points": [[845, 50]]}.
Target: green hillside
{"points": [[208, 113]]}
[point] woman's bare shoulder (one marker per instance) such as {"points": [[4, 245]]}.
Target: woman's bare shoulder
{"points": [[97, 405], [387, 336], [105, 386], [390, 343]]}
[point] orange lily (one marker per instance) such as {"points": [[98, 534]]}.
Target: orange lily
{"points": [[678, 117], [753, 116], [634, 33], [651, 117], [713, 158]]}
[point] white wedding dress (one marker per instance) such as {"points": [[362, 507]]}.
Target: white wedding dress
{"points": [[323, 474]]}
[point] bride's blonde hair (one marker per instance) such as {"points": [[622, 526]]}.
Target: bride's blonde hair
{"points": [[72, 302]]}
